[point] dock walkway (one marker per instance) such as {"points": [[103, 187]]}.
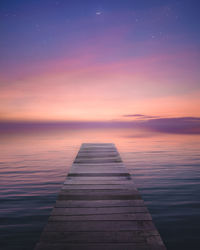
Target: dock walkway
{"points": [[99, 207]]}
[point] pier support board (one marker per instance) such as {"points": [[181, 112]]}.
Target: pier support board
{"points": [[99, 207]]}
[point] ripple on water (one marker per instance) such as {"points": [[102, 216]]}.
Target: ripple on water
{"points": [[166, 170]]}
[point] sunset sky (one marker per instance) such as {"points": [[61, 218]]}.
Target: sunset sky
{"points": [[99, 60]]}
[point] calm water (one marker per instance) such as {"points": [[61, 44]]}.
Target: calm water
{"points": [[34, 164]]}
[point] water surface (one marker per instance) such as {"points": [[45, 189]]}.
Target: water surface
{"points": [[34, 164]]}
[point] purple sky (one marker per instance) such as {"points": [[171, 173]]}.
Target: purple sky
{"points": [[99, 60]]}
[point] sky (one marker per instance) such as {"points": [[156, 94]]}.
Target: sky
{"points": [[99, 60]]}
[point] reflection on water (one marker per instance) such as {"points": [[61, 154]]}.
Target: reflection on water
{"points": [[34, 164]]}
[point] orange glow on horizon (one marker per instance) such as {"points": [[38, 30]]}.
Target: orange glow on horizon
{"points": [[81, 89]]}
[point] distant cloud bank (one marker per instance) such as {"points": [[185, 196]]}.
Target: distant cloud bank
{"points": [[178, 125], [181, 125], [140, 116]]}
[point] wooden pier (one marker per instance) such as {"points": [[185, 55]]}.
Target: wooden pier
{"points": [[99, 207]]}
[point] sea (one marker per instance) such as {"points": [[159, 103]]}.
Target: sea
{"points": [[34, 162]]}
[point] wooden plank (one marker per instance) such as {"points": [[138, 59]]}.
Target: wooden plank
{"points": [[97, 151], [93, 147], [99, 178], [63, 196], [96, 165], [92, 237], [100, 192], [98, 210], [87, 170], [99, 195], [98, 146], [97, 187], [98, 154], [106, 226], [99, 203], [98, 160], [97, 174], [97, 246], [99, 207], [98, 157], [102, 217], [97, 182]]}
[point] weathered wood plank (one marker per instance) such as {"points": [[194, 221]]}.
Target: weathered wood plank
{"points": [[97, 187], [99, 203], [102, 217], [97, 246], [99, 178], [84, 226], [99, 195], [98, 165], [98, 182], [63, 196], [100, 192], [97, 154], [98, 210], [98, 144], [100, 171], [98, 149], [97, 174], [97, 160], [92, 237], [94, 167]]}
